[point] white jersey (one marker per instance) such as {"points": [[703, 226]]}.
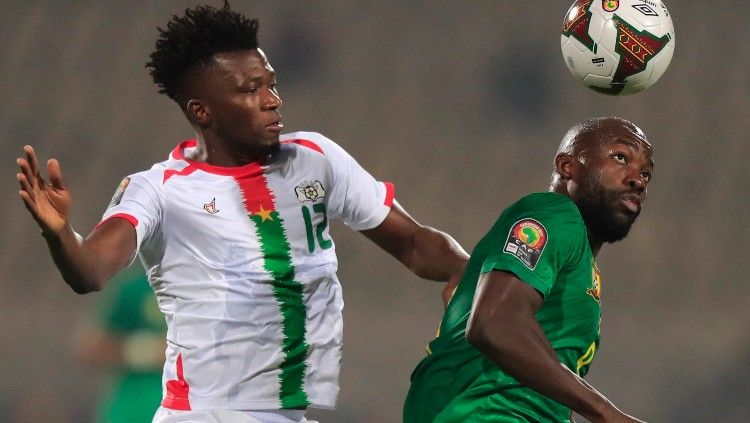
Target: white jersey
{"points": [[244, 270]]}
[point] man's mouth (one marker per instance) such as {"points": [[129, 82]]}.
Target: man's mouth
{"points": [[632, 202], [276, 126]]}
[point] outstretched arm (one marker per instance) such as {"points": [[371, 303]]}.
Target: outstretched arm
{"points": [[85, 264], [429, 253], [504, 328]]}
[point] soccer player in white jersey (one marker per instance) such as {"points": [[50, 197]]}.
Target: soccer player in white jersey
{"points": [[233, 231]]}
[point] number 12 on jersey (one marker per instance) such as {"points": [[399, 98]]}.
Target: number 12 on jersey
{"points": [[319, 228]]}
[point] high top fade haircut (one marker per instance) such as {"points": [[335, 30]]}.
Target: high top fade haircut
{"points": [[192, 40]]}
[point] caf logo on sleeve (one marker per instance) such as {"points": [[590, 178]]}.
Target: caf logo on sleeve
{"points": [[117, 197], [526, 241]]}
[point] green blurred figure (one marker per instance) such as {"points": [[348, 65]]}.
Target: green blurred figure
{"points": [[127, 335]]}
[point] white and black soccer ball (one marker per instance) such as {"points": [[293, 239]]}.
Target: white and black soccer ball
{"points": [[617, 47]]}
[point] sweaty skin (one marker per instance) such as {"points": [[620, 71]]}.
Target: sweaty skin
{"points": [[610, 162], [235, 109]]}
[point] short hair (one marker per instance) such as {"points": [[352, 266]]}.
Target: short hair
{"points": [[192, 40], [572, 140], [595, 126]]}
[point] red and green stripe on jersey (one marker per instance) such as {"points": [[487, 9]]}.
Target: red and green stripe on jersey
{"points": [[277, 260], [259, 203]]}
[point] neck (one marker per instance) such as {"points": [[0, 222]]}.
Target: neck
{"points": [[217, 153], [594, 242]]}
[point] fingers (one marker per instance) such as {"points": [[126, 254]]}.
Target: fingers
{"points": [[450, 289], [26, 193], [23, 166], [55, 174], [24, 182], [31, 157], [27, 167], [28, 202]]}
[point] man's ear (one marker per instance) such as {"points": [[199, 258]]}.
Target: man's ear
{"points": [[198, 112], [564, 165]]}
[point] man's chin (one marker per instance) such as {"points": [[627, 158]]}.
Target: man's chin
{"points": [[617, 231], [270, 146], [612, 226]]}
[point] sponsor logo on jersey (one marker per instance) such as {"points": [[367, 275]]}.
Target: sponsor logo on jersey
{"points": [[526, 241], [117, 197], [596, 282], [310, 191], [610, 5], [211, 207]]}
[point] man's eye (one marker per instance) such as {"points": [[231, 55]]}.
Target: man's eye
{"points": [[646, 176], [619, 157]]}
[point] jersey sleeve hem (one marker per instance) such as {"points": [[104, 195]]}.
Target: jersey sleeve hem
{"points": [[133, 221], [527, 277], [381, 213], [390, 194]]}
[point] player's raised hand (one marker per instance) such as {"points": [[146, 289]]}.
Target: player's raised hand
{"points": [[48, 202]]}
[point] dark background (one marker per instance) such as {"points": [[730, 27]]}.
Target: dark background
{"points": [[461, 104]]}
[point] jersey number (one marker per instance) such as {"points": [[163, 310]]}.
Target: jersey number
{"points": [[319, 228]]}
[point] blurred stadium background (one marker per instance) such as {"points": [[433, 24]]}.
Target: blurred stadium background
{"points": [[461, 104]]}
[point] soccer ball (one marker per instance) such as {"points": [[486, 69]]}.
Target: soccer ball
{"points": [[617, 47]]}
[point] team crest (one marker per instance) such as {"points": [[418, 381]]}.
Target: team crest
{"points": [[310, 191], [610, 5], [526, 241], [117, 197], [596, 282]]}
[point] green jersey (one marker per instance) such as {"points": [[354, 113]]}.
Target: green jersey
{"points": [[130, 309], [542, 240]]}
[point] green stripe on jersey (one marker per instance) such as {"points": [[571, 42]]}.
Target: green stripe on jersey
{"points": [[288, 292], [277, 260]]}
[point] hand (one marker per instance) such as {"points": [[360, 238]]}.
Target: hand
{"points": [[49, 203], [450, 289]]}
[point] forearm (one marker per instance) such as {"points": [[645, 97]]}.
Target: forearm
{"points": [[503, 326], [429, 253], [529, 358], [79, 266], [435, 255]]}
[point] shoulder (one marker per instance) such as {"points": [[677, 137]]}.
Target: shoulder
{"points": [[549, 214], [153, 176], [546, 200], [312, 141], [148, 182], [546, 205], [306, 140]]}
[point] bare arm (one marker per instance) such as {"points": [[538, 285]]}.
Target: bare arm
{"points": [[85, 264], [504, 328], [429, 253]]}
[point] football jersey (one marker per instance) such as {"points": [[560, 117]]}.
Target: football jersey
{"points": [[244, 270], [129, 310], [542, 240]]}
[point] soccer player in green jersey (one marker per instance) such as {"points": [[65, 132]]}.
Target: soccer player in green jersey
{"points": [[522, 328], [126, 336]]}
